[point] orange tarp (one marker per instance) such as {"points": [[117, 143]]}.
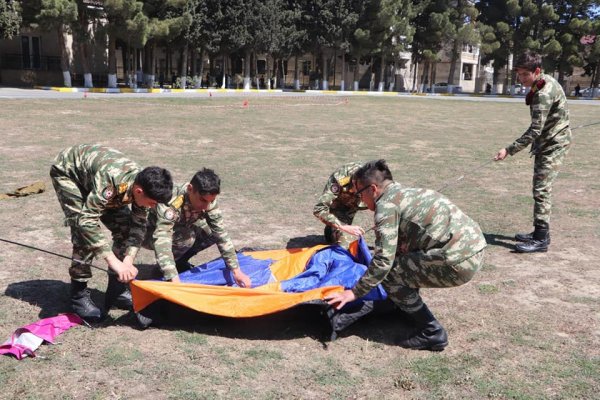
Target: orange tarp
{"points": [[232, 301]]}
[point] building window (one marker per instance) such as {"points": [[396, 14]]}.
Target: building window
{"points": [[467, 71], [31, 52]]}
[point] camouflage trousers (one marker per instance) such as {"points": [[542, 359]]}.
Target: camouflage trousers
{"points": [[412, 272], [71, 198], [186, 238], [545, 171], [336, 236]]}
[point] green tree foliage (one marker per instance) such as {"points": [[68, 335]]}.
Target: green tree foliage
{"points": [[10, 19]]}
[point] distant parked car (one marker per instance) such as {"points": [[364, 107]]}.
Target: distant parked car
{"points": [[520, 89], [442, 87], [587, 92]]}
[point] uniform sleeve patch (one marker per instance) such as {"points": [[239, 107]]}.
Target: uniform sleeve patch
{"points": [[335, 188], [123, 188], [108, 192], [170, 214]]}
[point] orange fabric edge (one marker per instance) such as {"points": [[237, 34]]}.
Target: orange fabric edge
{"points": [[222, 300]]}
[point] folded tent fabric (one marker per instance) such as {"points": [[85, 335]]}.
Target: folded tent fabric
{"points": [[25, 340], [281, 279]]}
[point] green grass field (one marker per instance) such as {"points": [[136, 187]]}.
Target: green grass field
{"points": [[526, 327]]}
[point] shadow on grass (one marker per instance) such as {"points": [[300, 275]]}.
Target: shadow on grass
{"points": [[382, 325], [500, 240], [51, 296], [305, 241]]}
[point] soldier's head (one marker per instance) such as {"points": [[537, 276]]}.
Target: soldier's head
{"points": [[528, 66], [204, 188], [370, 180], [151, 186]]}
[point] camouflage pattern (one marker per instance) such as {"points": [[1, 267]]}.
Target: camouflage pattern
{"points": [[550, 138], [176, 227], [422, 240], [94, 184], [337, 205], [549, 129]]}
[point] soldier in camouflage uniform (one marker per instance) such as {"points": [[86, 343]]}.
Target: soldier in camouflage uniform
{"points": [[338, 205], [97, 184], [550, 138], [189, 223], [422, 240]]}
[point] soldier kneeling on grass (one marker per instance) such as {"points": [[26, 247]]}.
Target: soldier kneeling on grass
{"points": [[96, 184], [422, 240]]}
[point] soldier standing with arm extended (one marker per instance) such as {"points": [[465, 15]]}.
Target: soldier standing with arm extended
{"points": [[189, 223], [422, 240], [550, 138], [338, 205], [97, 184]]}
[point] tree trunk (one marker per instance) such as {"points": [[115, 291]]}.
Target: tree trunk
{"points": [[356, 75], [425, 76], [453, 61], [112, 60], [296, 75], [201, 72], [325, 71], [85, 64], [415, 74], [267, 72], [247, 82], [64, 56], [343, 80], [183, 64], [381, 75], [150, 63]]}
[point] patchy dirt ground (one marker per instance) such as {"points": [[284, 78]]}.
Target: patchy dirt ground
{"points": [[526, 327]]}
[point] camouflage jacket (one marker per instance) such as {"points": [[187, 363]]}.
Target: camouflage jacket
{"points": [[549, 127], [179, 216], [420, 225], [336, 197], [106, 177]]}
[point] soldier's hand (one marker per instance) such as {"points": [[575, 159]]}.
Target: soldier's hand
{"points": [[176, 279], [501, 155], [125, 271], [340, 299], [241, 278], [353, 230]]}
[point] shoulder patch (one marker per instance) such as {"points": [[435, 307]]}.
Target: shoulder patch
{"points": [[344, 181], [335, 188], [108, 192], [123, 188], [170, 214], [178, 202]]}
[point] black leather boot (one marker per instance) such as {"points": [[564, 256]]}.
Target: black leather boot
{"points": [[526, 237], [539, 242], [117, 294], [429, 334], [82, 303], [183, 263]]}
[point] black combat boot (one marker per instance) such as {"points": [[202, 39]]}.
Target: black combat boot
{"points": [[526, 237], [82, 302], [183, 263], [117, 294], [539, 242], [429, 334]]}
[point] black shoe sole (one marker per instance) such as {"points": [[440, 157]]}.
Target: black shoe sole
{"points": [[531, 251], [436, 347]]}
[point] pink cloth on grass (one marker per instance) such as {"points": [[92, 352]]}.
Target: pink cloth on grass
{"points": [[25, 340]]}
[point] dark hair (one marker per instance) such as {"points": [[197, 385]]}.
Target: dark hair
{"points": [[375, 171], [528, 60], [156, 183], [206, 181]]}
